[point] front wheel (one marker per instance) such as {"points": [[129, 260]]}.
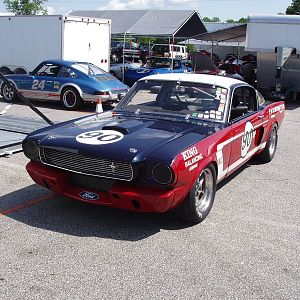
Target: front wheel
{"points": [[269, 152], [70, 98], [8, 93], [200, 199]]}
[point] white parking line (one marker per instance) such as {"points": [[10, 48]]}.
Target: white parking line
{"points": [[7, 107]]}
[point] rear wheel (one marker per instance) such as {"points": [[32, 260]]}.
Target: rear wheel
{"points": [[8, 92], [70, 98], [269, 152], [200, 199]]}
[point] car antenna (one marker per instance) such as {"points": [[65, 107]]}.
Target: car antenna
{"points": [[24, 99]]}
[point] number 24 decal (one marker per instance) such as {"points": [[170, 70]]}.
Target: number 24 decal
{"points": [[38, 84]]}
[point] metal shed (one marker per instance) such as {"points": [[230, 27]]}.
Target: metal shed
{"points": [[154, 23]]}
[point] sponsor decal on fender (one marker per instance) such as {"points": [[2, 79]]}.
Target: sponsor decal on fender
{"points": [[191, 158], [99, 137], [278, 108], [247, 138]]}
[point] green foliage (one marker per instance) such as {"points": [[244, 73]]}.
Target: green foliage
{"points": [[206, 19], [294, 8], [242, 20], [214, 19], [25, 7], [217, 20]]}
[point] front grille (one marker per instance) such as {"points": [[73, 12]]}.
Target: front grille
{"points": [[86, 165]]}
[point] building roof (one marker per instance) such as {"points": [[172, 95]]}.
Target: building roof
{"points": [[180, 23]]}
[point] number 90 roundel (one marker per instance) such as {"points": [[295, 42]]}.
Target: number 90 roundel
{"points": [[99, 137]]}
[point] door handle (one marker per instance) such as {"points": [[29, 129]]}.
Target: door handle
{"points": [[260, 117]]}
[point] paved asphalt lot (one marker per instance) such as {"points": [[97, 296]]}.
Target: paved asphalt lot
{"points": [[248, 247]]}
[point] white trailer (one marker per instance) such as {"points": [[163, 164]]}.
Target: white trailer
{"points": [[28, 40], [276, 40]]}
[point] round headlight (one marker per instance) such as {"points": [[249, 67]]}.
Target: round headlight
{"points": [[162, 174], [31, 150]]}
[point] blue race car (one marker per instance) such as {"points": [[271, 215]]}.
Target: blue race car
{"points": [[69, 82], [156, 65]]}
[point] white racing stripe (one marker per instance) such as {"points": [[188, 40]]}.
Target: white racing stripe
{"points": [[220, 160]]}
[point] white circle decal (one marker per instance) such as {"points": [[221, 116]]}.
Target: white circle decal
{"points": [[247, 138], [99, 137]]}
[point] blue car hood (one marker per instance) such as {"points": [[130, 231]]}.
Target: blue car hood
{"points": [[140, 137]]}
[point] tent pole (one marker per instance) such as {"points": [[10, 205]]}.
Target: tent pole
{"points": [[123, 67], [172, 54]]}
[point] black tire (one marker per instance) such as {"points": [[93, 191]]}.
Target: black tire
{"points": [[20, 71], [198, 203], [5, 70], [8, 93], [70, 98], [269, 152]]}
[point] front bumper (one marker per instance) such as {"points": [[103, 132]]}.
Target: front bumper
{"points": [[120, 194]]}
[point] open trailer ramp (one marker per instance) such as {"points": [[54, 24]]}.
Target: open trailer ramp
{"points": [[13, 130]]}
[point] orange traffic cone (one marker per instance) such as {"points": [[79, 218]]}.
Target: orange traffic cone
{"points": [[99, 108]]}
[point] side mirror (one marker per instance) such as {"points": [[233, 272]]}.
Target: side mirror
{"points": [[120, 96]]}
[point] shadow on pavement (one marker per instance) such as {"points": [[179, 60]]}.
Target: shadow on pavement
{"points": [[60, 214]]}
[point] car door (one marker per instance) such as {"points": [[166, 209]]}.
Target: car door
{"points": [[246, 124], [43, 81]]}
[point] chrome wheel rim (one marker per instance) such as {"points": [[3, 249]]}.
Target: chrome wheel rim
{"points": [[8, 93], [69, 99], [272, 141], [204, 190]]}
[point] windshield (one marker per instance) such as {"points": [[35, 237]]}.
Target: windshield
{"points": [[184, 99], [88, 69]]}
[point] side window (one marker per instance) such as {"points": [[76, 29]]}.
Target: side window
{"points": [[67, 73], [243, 101], [260, 100], [48, 70], [250, 99]]}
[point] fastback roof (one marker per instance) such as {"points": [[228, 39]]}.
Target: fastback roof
{"points": [[180, 23]]}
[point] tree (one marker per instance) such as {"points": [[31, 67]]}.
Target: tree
{"points": [[25, 7], [206, 19], [294, 8], [242, 20], [215, 19], [230, 21]]}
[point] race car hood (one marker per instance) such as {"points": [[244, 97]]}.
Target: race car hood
{"points": [[142, 72], [124, 138]]}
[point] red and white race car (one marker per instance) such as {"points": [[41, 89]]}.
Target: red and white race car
{"points": [[165, 146]]}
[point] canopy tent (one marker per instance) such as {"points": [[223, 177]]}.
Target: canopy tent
{"points": [[154, 23], [236, 34]]}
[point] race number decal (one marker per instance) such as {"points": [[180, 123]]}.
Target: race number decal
{"points": [[38, 84], [99, 137], [247, 138]]}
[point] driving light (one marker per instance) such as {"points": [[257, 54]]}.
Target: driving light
{"points": [[31, 150], [162, 173]]}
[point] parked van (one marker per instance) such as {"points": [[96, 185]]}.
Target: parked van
{"points": [[168, 50]]}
